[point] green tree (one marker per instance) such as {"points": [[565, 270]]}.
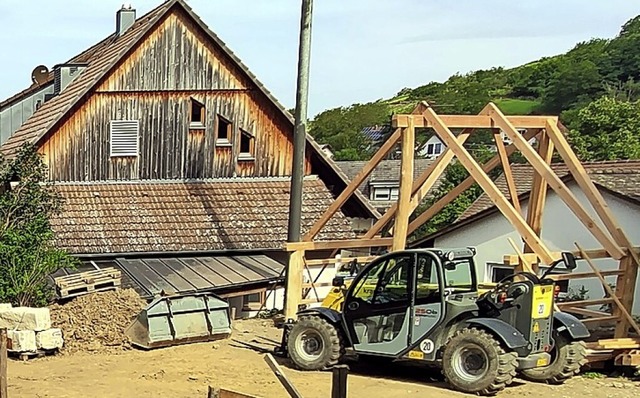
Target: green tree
{"points": [[574, 83], [607, 129], [27, 254]]}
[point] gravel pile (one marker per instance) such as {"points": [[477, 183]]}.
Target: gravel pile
{"points": [[96, 322]]}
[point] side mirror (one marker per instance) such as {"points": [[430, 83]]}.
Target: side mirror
{"points": [[449, 265], [338, 281], [569, 260], [353, 267]]}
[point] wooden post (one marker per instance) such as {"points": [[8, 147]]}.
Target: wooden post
{"points": [[282, 378], [294, 284], [489, 187], [339, 382], [538, 196], [506, 168], [406, 182], [608, 289], [3, 363]]}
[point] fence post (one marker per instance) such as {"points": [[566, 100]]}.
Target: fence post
{"points": [[3, 363], [339, 382]]}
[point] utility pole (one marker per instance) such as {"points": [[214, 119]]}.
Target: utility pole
{"points": [[294, 287]]}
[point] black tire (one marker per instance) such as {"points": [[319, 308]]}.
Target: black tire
{"points": [[475, 362], [314, 344], [567, 357]]}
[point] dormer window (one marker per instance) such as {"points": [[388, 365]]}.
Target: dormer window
{"points": [[384, 193], [434, 149], [197, 114], [247, 146], [223, 136]]}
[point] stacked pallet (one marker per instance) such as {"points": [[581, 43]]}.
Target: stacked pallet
{"points": [[623, 351], [88, 282], [29, 331]]}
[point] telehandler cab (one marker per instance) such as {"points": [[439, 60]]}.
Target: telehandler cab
{"points": [[423, 305]]}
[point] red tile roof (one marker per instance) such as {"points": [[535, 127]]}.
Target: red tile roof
{"points": [[171, 216]]}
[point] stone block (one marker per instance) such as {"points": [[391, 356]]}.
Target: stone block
{"points": [[5, 306], [49, 339], [22, 340], [25, 318]]}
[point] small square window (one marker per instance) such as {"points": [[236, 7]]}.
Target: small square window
{"points": [[197, 114], [247, 145], [437, 149], [253, 301], [430, 149], [381, 194], [223, 132]]}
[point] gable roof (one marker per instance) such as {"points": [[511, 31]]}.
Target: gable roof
{"points": [[620, 178], [105, 56], [179, 216]]}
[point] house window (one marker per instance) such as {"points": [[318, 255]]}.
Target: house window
{"points": [[247, 145], [385, 193], [124, 137], [224, 131], [499, 272], [253, 301], [197, 114], [434, 149]]}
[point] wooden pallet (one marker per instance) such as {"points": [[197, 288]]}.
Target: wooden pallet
{"points": [[88, 282], [25, 356]]}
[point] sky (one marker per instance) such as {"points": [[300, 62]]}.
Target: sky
{"points": [[361, 51]]}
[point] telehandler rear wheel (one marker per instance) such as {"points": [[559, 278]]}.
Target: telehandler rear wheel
{"points": [[567, 357], [314, 344], [475, 362]]}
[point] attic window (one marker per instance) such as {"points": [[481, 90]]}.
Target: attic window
{"points": [[197, 114], [224, 131], [247, 145], [434, 149], [124, 137]]}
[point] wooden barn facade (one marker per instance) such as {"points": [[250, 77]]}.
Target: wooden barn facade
{"points": [[139, 130]]}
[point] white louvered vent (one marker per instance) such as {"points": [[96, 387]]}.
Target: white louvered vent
{"points": [[124, 137]]}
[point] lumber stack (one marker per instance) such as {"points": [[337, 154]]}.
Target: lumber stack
{"points": [[88, 282]]}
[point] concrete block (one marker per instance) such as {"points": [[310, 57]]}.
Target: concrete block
{"points": [[25, 318], [5, 306], [49, 339], [22, 340]]}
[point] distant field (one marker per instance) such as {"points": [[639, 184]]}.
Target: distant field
{"points": [[516, 106]]}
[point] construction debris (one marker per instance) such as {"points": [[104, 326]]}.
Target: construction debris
{"points": [[96, 322]]}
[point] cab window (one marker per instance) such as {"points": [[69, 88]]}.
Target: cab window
{"points": [[427, 281], [385, 282], [458, 274]]}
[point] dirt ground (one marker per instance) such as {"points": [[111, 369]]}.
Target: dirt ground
{"points": [[186, 371]]}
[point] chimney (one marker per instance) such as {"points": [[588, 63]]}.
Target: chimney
{"points": [[125, 18]]}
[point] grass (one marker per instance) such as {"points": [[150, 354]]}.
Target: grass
{"points": [[511, 106]]}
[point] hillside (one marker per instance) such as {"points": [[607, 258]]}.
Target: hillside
{"points": [[596, 76]]}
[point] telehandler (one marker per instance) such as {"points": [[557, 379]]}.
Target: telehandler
{"points": [[423, 305]]}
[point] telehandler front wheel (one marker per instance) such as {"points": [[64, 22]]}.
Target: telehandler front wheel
{"points": [[567, 357], [314, 344], [475, 362]]}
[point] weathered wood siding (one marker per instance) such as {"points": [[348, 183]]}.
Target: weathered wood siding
{"points": [[155, 85]]}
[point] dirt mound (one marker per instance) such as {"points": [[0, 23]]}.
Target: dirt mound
{"points": [[96, 322]]}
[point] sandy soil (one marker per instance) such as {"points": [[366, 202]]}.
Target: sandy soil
{"points": [[186, 371]]}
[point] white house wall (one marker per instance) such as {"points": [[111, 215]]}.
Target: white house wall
{"points": [[560, 229]]}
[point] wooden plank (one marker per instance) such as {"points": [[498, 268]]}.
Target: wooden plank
{"points": [[339, 244], [293, 292], [406, 182], [508, 175], [421, 186], [606, 286], [470, 121], [3, 363], [460, 188], [223, 393], [586, 312], [489, 187], [604, 319], [580, 175], [523, 264], [317, 284], [291, 389], [538, 196], [629, 265], [331, 261], [622, 288], [584, 303], [582, 275], [339, 381], [353, 185], [554, 181]]}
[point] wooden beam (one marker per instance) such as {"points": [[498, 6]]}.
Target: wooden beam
{"points": [[406, 182], [604, 319], [282, 378], [460, 188], [580, 175], [506, 168], [585, 303], [554, 181], [3, 363], [583, 275], [523, 264], [339, 244], [585, 312], [538, 196], [471, 121], [293, 287], [344, 260], [353, 185], [608, 289], [622, 289], [489, 187]]}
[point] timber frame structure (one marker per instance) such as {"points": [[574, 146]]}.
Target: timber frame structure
{"points": [[547, 130]]}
